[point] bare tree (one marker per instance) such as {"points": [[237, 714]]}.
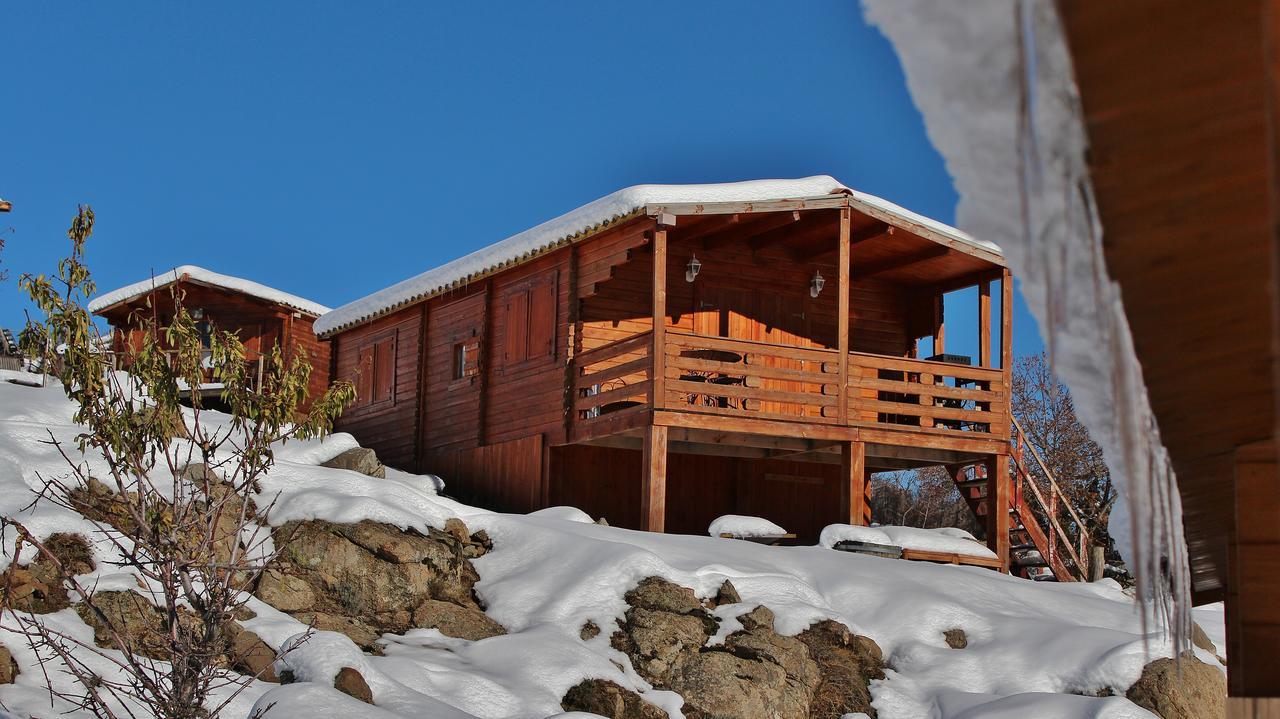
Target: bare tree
{"points": [[176, 501], [1044, 408]]}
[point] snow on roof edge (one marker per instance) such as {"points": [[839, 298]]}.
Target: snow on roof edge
{"points": [[595, 216], [208, 277]]}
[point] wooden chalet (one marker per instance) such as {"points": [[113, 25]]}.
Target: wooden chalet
{"points": [[262, 316], [669, 354]]}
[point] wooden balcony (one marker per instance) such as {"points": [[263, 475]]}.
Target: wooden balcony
{"points": [[764, 388]]}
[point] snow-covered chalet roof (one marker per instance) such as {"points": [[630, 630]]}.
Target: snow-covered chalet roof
{"points": [[589, 218], [206, 277]]}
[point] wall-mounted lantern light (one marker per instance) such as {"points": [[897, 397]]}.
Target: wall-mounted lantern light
{"points": [[692, 269], [816, 284]]}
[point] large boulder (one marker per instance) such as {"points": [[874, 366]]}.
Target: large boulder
{"points": [[349, 681], [369, 578], [138, 622], [755, 673], [1194, 690], [39, 587], [8, 667], [249, 655], [664, 625], [359, 459], [847, 663], [607, 699]]}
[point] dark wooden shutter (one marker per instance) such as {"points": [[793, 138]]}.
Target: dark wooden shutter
{"points": [[384, 369], [542, 318], [516, 340], [364, 378]]}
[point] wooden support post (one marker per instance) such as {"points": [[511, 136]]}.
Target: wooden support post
{"points": [[659, 352], [573, 345], [1253, 582], [842, 317], [998, 506], [984, 324], [939, 325], [855, 484], [1006, 347], [653, 479]]}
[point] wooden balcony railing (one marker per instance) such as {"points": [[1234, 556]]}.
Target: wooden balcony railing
{"points": [[744, 378]]}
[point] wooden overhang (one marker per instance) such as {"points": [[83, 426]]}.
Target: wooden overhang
{"points": [[186, 279], [1180, 115], [875, 230]]}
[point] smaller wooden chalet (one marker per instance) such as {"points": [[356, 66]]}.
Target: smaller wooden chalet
{"points": [[262, 316], [669, 354]]}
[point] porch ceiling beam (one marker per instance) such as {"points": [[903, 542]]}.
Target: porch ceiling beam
{"points": [[889, 264], [713, 224], [807, 227], [870, 232], [745, 231]]}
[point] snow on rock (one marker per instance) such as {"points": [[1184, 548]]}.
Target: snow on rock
{"points": [[607, 209], [737, 525], [207, 277]]}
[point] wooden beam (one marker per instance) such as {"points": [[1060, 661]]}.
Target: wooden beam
{"points": [[653, 479], [939, 325], [659, 352], [984, 324], [999, 489], [1253, 578], [1006, 345], [759, 441], [855, 487], [750, 425], [710, 226], [759, 225], [865, 234], [731, 208], [898, 262], [842, 314]]}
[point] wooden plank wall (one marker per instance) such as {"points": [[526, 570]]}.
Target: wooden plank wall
{"points": [[450, 412], [388, 428], [605, 482], [506, 476]]}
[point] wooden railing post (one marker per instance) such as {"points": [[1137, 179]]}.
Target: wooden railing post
{"points": [[842, 316], [659, 386], [998, 505], [1006, 343]]}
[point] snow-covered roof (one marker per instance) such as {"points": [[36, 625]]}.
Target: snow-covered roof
{"points": [[607, 210], [206, 277]]}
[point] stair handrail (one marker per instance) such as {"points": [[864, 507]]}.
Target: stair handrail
{"points": [[1058, 531], [1053, 482]]}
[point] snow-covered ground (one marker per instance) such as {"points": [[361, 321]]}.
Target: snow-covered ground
{"points": [[1032, 647]]}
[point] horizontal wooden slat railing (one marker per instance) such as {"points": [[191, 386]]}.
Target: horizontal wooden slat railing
{"points": [[256, 361], [751, 379], [933, 396], [613, 378]]}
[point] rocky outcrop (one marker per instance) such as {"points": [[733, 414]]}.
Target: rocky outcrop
{"points": [[847, 663], [349, 681], [139, 623], [8, 667], [38, 587], [249, 655], [369, 578], [756, 673], [359, 459], [607, 699], [1194, 690]]}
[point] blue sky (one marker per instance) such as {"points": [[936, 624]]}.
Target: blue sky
{"points": [[331, 149]]}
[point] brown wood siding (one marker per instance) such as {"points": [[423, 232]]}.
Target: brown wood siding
{"points": [[388, 426], [525, 396], [452, 406], [506, 476]]}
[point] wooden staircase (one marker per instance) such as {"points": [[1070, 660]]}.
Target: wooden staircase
{"points": [[1037, 511]]}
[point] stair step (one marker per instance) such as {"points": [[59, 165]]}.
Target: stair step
{"points": [[971, 483]]}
